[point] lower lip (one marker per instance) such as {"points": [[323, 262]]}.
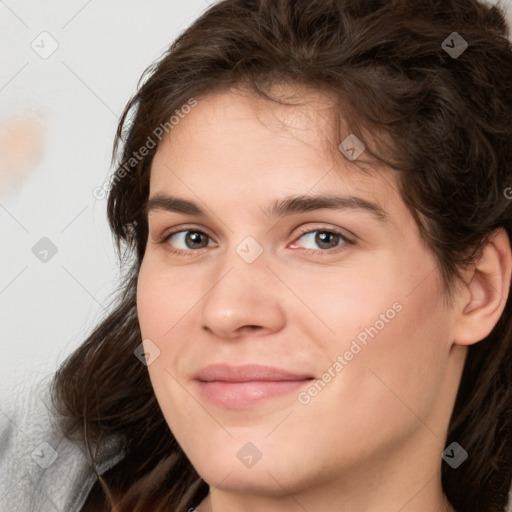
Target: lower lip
{"points": [[239, 395]]}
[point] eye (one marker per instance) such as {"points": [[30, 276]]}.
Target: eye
{"points": [[187, 241], [325, 239], [190, 242]]}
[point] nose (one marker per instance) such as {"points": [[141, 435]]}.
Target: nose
{"points": [[243, 299]]}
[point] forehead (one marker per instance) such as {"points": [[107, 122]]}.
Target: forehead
{"points": [[236, 141]]}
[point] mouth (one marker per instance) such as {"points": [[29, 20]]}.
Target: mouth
{"points": [[239, 387]]}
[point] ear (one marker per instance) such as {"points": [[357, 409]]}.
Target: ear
{"points": [[486, 289]]}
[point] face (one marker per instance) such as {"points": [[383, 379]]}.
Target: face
{"points": [[300, 342]]}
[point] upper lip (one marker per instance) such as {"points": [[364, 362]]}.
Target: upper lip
{"points": [[246, 373]]}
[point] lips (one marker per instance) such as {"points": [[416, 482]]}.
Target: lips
{"points": [[247, 373], [243, 386]]}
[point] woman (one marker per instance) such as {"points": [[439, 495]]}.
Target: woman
{"points": [[317, 313]]}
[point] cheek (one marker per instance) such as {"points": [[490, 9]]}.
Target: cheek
{"points": [[345, 301], [161, 306], [396, 335], [167, 307], [163, 298], [400, 370]]}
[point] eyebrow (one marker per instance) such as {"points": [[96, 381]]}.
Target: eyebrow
{"points": [[279, 208]]}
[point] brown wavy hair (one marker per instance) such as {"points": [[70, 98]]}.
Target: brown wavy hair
{"points": [[444, 122]]}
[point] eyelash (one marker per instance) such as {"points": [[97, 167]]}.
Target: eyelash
{"points": [[312, 252]]}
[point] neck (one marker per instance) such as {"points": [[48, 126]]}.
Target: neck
{"points": [[418, 495]]}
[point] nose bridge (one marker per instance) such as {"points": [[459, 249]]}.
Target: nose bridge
{"points": [[244, 258], [242, 293]]}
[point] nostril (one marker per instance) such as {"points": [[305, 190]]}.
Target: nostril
{"points": [[251, 327]]}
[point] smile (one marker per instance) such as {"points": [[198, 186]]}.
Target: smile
{"points": [[238, 387]]}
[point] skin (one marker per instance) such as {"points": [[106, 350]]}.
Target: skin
{"points": [[371, 439]]}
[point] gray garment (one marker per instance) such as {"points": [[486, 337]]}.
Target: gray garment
{"points": [[40, 469]]}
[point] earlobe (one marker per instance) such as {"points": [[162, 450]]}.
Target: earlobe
{"points": [[488, 285]]}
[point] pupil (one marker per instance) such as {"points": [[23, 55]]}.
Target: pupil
{"points": [[194, 237], [322, 239]]}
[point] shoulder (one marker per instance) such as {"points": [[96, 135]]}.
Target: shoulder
{"points": [[40, 468]]}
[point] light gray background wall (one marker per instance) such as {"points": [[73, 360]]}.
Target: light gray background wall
{"points": [[75, 96]]}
